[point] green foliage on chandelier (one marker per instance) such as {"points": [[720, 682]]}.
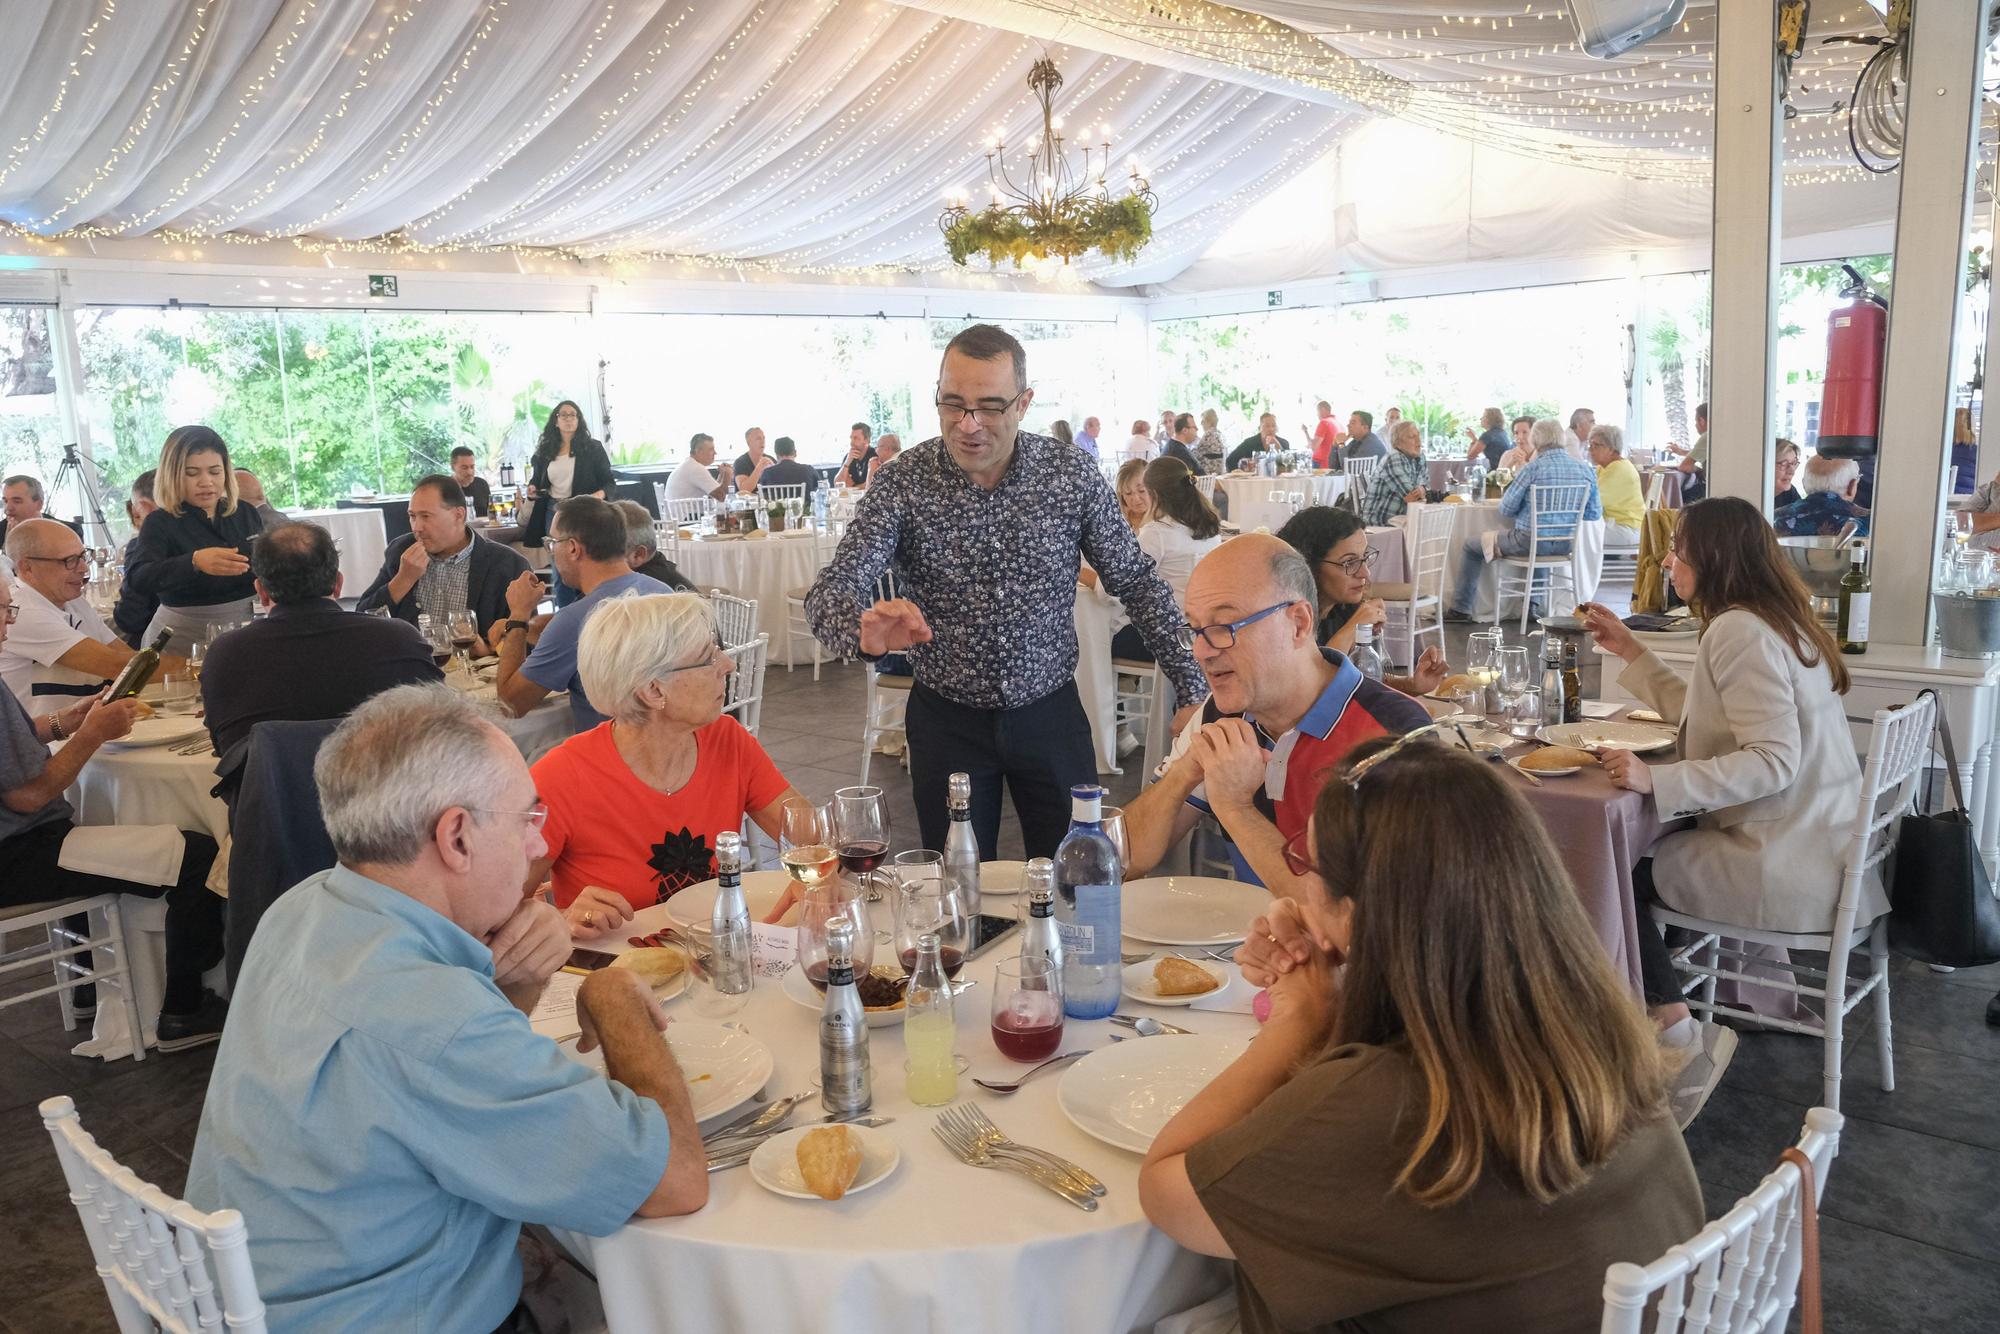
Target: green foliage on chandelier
{"points": [[1115, 228]]}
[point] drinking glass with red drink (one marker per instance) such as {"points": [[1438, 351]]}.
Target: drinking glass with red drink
{"points": [[1027, 1008]]}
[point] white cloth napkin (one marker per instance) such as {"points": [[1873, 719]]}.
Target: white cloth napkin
{"points": [[142, 854]]}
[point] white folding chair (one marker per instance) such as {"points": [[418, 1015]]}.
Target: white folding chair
{"points": [[1898, 750], [887, 695], [1145, 701], [1656, 486], [1739, 1274], [110, 964], [735, 618], [744, 695], [691, 510], [1363, 469], [1555, 508], [1406, 624], [153, 1251], [770, 491], [796, 621]]}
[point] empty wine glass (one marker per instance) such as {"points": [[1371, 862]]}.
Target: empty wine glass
{"points": [[861, 834], [1514, 678]]}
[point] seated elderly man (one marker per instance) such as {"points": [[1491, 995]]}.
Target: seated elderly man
{"points": [[674, 768], [1282, 712], [58, 650], [36, 821], [441, 566], [380, 1111], [1401, 477], [642, 547], [1551, 466], [587, 543], [251, 493], [307, 659], [1830, 486]]}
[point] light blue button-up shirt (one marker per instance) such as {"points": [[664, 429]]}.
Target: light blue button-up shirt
{"points": [[386, 1120]]}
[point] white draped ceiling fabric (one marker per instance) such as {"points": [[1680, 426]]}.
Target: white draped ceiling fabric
{"points": [[819, 136]]}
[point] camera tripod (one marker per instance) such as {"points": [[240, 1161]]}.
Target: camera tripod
{"points": [[96, 532]]}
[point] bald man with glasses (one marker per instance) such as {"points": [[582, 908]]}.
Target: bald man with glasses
{"points": [[59, 650]]}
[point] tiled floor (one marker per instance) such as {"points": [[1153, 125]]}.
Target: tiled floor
{"points": [[1912, 1230]]}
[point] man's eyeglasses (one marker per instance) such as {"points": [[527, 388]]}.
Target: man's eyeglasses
{"points": [[536, 815], [70, 563], [950, 414], [1224, 636], [1352, 566]]}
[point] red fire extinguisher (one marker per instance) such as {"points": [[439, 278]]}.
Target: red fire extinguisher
{"points": [[1850, 404]]}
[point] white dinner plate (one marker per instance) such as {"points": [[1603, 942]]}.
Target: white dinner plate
{"points": [[1126, 1093], [695, 905], [1608, 734], [161, 730], [1190, 909], [775, 1164], [801, 992], [1001, 877], [1547, 773], [1139, 984], [724, 1067]]}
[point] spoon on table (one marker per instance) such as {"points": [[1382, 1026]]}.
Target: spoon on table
{"points": [[1010, 1087], [1150, 1028]]}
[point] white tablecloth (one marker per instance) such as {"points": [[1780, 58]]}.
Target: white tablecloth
{"points": [[362, 539], [1096, 683], [939, 1245], [1251, 506], [763, 569], [1467, 522]]}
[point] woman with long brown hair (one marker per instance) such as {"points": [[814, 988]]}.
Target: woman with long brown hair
{"points": [[1453, 1118], [1763, 760]]}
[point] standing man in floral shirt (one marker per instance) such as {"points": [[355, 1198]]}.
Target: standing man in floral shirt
{"points": [[985, 525]]}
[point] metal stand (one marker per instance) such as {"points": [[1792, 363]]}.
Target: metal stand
{"points": [[73, 469]]}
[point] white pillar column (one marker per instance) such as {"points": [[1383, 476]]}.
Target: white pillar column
{"points": [[1948, 45], [1749, 159], [1989, 413]]}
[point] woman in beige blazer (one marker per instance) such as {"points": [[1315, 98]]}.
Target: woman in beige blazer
{"points": [[1764, 762]]}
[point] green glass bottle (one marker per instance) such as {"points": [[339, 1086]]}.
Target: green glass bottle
{"points": [[1852, 630]]}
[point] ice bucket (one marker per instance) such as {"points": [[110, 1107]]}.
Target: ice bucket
{"points": [[1968, 625]]}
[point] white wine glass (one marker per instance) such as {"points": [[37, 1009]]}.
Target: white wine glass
{"points": [[805, 845]]}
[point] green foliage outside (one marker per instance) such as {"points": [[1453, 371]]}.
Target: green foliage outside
{"points": [[1115, 228]]}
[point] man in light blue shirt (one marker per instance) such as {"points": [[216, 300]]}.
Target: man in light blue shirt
{"points": [[586, 544], [380, 1111], [1550, 466]]}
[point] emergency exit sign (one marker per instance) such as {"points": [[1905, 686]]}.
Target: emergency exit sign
{"points": [[1274, 298], [384, 284]]}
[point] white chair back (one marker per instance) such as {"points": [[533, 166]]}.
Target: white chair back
{"points": [[1433, 552], [1899, 748], [154, 1251], [692, 510], [1741, 1272], [770, 491], [1555, 510], [744, 695], [735, 618], [1362, 468], [1656, 485]]}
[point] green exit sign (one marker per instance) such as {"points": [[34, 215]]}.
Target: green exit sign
{"points": [[1274, 298], [383, 284]]}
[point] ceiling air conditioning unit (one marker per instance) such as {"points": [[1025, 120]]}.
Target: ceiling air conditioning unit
{"points": [[1606, 28]]}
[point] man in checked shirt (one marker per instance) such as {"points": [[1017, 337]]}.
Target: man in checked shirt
{"points": [[984, 526]]}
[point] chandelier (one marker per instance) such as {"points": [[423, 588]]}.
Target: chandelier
{"points": [[1060, 212]]}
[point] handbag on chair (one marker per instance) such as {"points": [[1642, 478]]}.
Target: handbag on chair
{"points": [[1941, 904]]}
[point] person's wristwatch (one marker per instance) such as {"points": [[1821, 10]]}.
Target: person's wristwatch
{"points": [[55, 728], [513, 625]]}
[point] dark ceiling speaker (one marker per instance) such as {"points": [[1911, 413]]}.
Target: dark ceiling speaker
{"points": [[1606, 28]]}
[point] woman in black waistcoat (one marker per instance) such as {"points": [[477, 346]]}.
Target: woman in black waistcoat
{"points": [[568, 462], [193, 552]]}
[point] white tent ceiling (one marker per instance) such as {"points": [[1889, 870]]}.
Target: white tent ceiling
{"points": [[817, 136]]}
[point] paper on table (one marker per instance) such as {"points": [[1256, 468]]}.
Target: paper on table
{"points": [[773, 949], [1234, 998], [1601, 708], [555, 1012]]}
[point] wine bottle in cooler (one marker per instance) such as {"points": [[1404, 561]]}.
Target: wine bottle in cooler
{"points": [[961, 847], [1089, 881], [1039, 937], [729, 919], [139, 668]]}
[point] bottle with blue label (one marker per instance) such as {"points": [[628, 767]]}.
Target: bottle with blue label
{"points": [[1089, 881]]}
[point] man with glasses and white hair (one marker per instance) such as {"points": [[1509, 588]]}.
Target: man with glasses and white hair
{"points": [[635, 803], [59, 649], [986, 524], [1551, 466], [1283, 712], [380, 1111], [1830, 486]]}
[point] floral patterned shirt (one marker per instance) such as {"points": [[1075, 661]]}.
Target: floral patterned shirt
{"points": [[994, 572]]}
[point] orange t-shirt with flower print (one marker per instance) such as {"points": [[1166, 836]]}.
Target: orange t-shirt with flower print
{"points": [[606, 827]]}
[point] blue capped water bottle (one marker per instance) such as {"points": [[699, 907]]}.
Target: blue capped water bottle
{"points": [[1089, 880]]}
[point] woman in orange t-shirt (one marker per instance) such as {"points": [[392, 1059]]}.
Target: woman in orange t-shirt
{"points": [[635, 803]]}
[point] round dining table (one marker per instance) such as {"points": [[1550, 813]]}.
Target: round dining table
{"points": [[360, 535], [765, 569], [938, 1244], [1251, 498]]}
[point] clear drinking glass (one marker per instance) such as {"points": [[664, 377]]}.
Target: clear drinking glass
{"points": [[1482, 661], [861, 834], [805, 846], [1027, 1014], [833, 900], [178, 696], [925, 907], [464, 633], [1514, 676], [704, 997]]}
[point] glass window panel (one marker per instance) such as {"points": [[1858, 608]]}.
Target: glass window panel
{"points": [[31, 435]]}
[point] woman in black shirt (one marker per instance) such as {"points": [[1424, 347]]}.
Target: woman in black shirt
{"points": [[568, 462], [1492, 441], [193, 552]]}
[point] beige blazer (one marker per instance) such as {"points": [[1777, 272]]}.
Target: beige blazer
{"points": [[1767, 769]]}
